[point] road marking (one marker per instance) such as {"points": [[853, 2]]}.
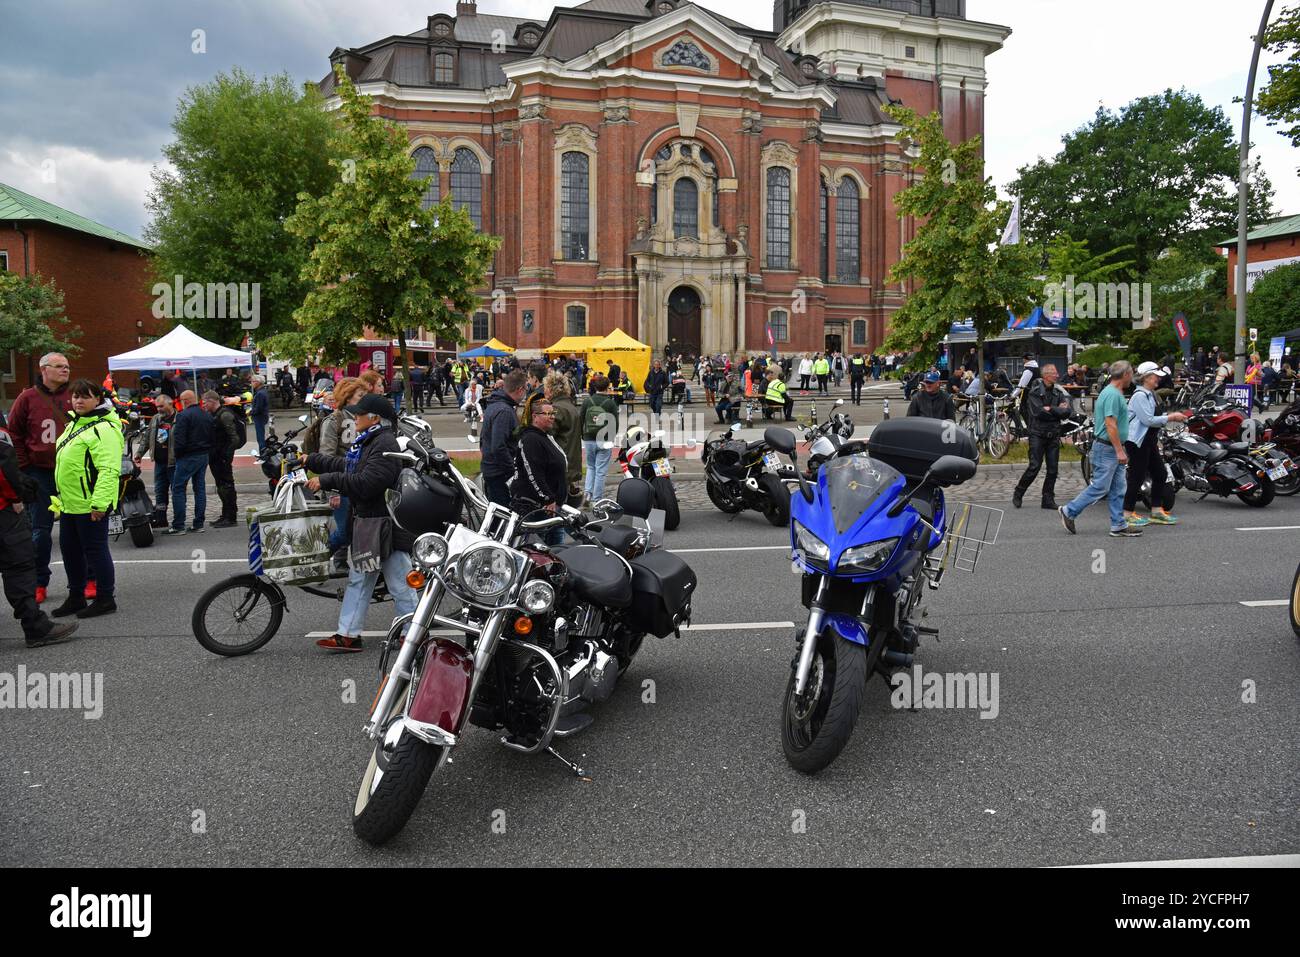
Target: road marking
{"points": [[1279, 603], [755, 548], [1270, 528], [172, 561], [742, 626], [1265, 860]]}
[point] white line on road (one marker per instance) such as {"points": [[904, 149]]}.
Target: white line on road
{"points": [[172, 561], [1265, 860], [742, 626], [1270, 528], [754, 548], [1277, 603]]}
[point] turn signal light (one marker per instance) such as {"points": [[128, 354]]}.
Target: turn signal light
{"points": [[415, 578], [523, 626]]}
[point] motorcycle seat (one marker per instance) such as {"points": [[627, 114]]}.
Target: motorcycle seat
{"points": [[1237, 447], [596, 576], [617, 538]]}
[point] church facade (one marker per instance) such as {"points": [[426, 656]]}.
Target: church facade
{"points": [[656, 167]]}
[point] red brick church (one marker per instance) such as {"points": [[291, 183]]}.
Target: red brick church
{"points": [[660, 168]]}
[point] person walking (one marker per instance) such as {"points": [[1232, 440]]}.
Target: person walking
{"points": [[931, 401], [567, 431], [837, 368], [656, 383], [87, 466], [191, 441], [379, 545], [37, 417], [1143, 446], [539, 481], [496, 436], [1048, 405], [18, 550], [822, 369], [1109, 457], [260, 411], [857, 376], [155, 440], [599, 416], [228, 436]]}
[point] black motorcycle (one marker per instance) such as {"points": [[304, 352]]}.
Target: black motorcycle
{"points": [[742, 475], [276, 451], [1215, 468]]}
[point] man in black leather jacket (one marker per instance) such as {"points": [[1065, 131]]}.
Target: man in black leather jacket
{"points": [[1047, 405]]}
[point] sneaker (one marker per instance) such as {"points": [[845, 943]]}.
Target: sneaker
{"points": [[340, 643], [1050, 503], [1066, 521], [1161, 517], [40, 594], [56, 635], [69, 607], [195, 528], [90, 592], [174, 531], [1017, 500], [100, 606], [1135, 520], [224, 523], [1129, 531]]}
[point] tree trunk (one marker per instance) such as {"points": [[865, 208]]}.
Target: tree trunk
{"points": [[406, 368]]}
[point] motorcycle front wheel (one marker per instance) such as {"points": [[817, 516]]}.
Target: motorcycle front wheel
{"points": [[666, 499], [777, 510], [1260, 495], [393, 784], [723, 503], [237, 616], [816, 727]]}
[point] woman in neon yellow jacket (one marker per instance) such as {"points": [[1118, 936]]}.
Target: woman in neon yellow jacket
{"points": [[87, 467]]}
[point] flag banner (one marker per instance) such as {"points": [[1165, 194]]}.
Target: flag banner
{"points": [[1183, 330], [1011, 235]]}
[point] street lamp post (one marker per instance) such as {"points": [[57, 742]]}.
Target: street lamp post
{"points": [[1243, 185]]}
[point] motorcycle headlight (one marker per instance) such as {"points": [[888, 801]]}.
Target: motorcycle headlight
{"points": [[486, 572], [537, 598], [429, 551], [810, 544], [868, 558]]}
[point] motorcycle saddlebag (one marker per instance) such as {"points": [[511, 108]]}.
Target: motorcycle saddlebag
{"points": [[912, 445], [662, 587]]}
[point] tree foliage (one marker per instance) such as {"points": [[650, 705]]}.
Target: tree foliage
{"points": [[1153, 175], [955, 263], [32, 320], [378, 258], [1279, 100], [244, 151], [1273, 305]]}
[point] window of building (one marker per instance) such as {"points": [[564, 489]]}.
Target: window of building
{"points": [[444, 72], [575, 218], [467, 185], [686, 208], [778, 320], [482, 327], [778, 218], [825, 231], [909, 52], [859, 332], [575, 321], [426, 168], [847, 262]]}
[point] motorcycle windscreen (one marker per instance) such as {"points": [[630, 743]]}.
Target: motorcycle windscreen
{"points": [[852, 484]]}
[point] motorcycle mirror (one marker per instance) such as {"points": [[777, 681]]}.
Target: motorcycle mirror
{"points": [[302, 419], [735, 427], [839, 402], [659, 434], [780, 439], [950, 470]]}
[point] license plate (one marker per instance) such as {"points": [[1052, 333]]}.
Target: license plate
{"points": [[663, 467], [115, 526], [772, 461], [1277, 473]]}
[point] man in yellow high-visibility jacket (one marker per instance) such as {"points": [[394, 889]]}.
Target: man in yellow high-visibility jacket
{"points": [[822, 370], [776, 395]]}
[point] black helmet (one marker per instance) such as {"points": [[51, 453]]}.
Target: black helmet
{"points": [[423, 503], [636, 496]]}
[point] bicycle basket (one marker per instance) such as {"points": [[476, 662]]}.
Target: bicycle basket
{"points": [[970, 529]]}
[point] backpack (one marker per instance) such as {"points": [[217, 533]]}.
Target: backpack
{"points": [[310, 442], [241, 427]]}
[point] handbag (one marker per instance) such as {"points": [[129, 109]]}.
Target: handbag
{"points": [[372, 543], [288, 540]]}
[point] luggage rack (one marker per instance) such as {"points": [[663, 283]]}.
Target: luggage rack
{"points": [[970, 529]]}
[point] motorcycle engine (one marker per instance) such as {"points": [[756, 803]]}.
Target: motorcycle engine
{"points": [[592, 674]]}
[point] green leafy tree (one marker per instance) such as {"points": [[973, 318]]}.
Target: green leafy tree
{"points": [[955, 265], [32, 320], [1161, 170], [1070, 261], [245, 149], [1273, 305], [1279, 101], [379, 259]]}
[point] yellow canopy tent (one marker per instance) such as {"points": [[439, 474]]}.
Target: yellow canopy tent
{"points": [[497, 344], [631, 356], [572, 346]]}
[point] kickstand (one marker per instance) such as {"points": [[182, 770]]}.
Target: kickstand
{"points": [[577, 771]]}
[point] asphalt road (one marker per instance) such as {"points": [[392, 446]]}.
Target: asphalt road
{"points": [[1119, 691]]}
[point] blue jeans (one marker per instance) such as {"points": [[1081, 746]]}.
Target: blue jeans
{"points": [[42, 521], [656, 402], [259, 426], [84, 545], [597, 468], [1109, 481], [162, 485], [352, 616], [190, 469], [497, 488]]}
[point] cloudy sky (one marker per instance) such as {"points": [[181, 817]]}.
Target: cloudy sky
{"points": [[90, 88]]}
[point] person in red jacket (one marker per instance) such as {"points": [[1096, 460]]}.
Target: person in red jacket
{"points": [[35, 422]]}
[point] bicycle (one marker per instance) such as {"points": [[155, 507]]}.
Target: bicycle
{"points": [[993, 429]]}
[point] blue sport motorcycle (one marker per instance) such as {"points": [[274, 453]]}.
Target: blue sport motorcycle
{"points": [[867, 536]]}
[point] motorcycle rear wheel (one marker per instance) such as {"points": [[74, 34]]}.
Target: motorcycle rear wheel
{"points": [[1261, 495], [383, 808], [666, 499], [141, 535], [813, 738], [240, 594], [1287, 486]]}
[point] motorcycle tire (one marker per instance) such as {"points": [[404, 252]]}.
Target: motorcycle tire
{"points": [[231, 596], [720, 501], [141, 535], [1287, 486], [666, 499], [1261, 496], [837, 681], [381, 810], [777, 511], [1295, 603]]}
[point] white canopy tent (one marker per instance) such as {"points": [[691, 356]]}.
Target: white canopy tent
{"points": [[180, 349]]}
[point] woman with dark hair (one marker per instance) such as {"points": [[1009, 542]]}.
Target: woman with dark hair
{"points": [[87, 466]]}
